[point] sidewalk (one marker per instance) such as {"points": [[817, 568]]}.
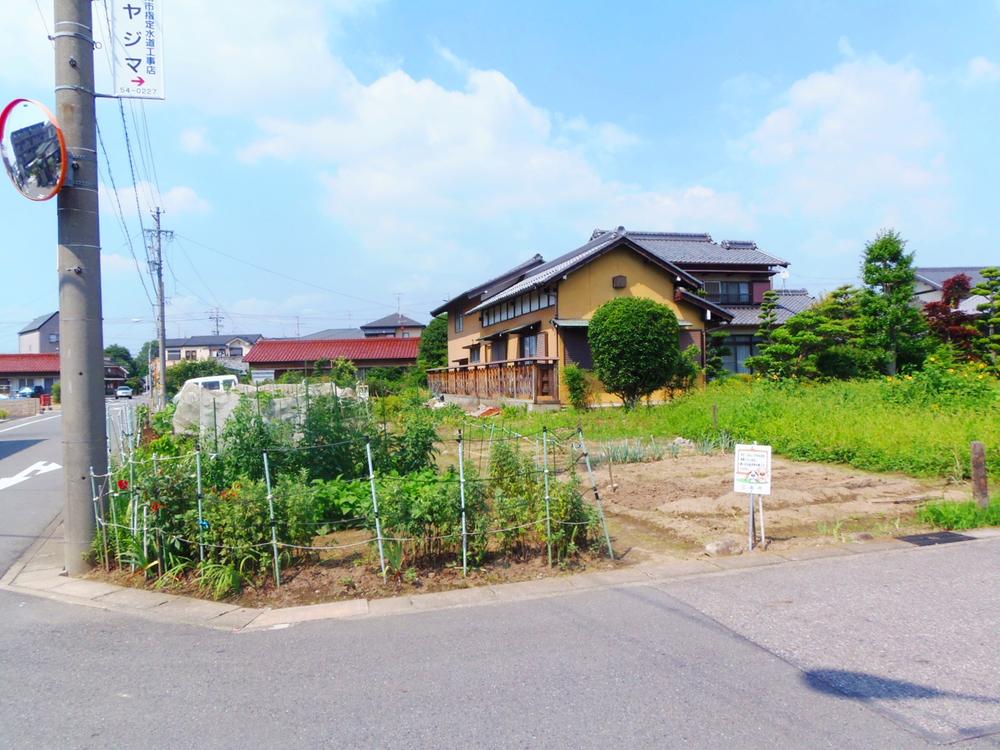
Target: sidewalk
{"points": [[39, 572]]}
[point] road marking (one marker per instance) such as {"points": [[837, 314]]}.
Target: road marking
{"points": [[36, 469], [25, 424]]}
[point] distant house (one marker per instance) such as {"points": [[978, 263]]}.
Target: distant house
{"points": [[42, 370], [229, 348], [27, 371], [930, 282], [509, 335], [272, 358], [393, 326], [40, 336]]}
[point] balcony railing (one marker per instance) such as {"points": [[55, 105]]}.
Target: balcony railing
{"points": [[534, 380]]}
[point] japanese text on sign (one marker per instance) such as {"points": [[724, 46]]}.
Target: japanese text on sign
{"points": [[137, 28], [752, 469]]}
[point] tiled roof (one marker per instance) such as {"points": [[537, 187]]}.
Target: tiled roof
{"points": [[496, 284], [396, 320], [313, 350], [790, 302], [221, 340], [38, 322], [699, 249], [28, 364], [564, 263], [936, 277]]}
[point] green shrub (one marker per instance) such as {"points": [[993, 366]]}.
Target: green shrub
{"points": [[579, 385], [3, 414], [56, 393], [958, 516], [635, 345]]}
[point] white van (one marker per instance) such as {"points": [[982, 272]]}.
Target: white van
{"points": [[209, 383]]}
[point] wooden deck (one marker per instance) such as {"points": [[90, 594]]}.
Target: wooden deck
{"points": [[534, 380]]}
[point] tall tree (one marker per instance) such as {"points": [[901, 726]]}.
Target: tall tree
{"points": [[889, 321], [120, 355], [434, 343], [988, 323], [151, 349]]}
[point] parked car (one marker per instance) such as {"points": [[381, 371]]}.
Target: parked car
{"points": [[30, 391], [123, 391]]}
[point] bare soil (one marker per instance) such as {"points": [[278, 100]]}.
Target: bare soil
{"points": [[677, 505]]}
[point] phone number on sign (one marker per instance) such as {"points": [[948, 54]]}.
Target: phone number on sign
{"points": [[137, 91]]}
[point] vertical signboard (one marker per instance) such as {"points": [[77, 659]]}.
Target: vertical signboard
{"points": [[752, 469], [137, 47]]}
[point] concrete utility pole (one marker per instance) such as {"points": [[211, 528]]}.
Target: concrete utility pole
{"points": [[156, 266], [81, 344]]}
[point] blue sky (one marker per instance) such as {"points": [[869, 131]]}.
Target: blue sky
{"points": [[367, 149]]}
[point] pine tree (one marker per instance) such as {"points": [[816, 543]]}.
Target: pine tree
{"points": [[891, 325], [988, 341]]}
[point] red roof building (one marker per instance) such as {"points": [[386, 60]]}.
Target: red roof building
{"points": [[271, 358], [42, 370]]}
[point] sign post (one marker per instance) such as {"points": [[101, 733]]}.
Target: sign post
{"points": [[752, 476]]}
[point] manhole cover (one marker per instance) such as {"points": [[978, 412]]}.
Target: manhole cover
{"points": [[937, 537]]}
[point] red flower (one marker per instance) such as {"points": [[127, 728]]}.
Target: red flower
{"points": [[123, 484], [154, 507]]}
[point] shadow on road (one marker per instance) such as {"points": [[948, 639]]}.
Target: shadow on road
{"points": [[9, 447], [846, 684]]}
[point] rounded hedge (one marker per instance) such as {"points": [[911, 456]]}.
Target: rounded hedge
{"points": [[635, 344]]}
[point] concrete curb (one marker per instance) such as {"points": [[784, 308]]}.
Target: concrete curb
{"points": [[39, 572]]}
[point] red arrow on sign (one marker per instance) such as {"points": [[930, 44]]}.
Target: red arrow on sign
{"points": [[138, 81]]}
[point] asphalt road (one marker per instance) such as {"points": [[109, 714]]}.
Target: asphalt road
{"points": [[882, 650]]}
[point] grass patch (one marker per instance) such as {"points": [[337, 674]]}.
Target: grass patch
{"points": [[860, 423], [960, 515]]}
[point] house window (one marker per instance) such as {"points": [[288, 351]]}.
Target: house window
{"points": [[459, 323], [733, 293], [190, 354], [236, 351], [498, 350], [473, 355], [173, 355], [520, 305], [528, 347], [740, 348], [53, 338]]}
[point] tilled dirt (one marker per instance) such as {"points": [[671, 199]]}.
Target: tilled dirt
{"points": [[690, 501]]}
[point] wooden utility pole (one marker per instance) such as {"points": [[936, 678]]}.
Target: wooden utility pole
{"points": [[81, 339], [980, 490]]}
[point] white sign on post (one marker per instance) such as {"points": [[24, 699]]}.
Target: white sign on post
{"points": [[753, 469], [137, 48]]}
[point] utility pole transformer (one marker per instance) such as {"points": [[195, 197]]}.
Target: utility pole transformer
{"points": [[81, 345]]}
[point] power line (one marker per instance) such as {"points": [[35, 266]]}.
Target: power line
{"points": [[121, 216], [287, 276]]}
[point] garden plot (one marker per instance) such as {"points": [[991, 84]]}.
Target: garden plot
{"points": [[681, 503]]}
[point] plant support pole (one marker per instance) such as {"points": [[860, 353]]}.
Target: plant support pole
{"points": [[97, 519], [548, 505], [461, 487], [597, 494], [201, 521], [378, 521], [274, 526], [760, 507]]}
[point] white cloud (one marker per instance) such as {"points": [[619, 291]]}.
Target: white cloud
{"points": [[179, 199], [844, 47], [195, 141], [982, 70], [412, 158], [117, 264], [862, 133]]}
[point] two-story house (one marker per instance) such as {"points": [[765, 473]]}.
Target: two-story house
{"points": [[40, 336], [228, 348], [396, 325], [508, 336]]}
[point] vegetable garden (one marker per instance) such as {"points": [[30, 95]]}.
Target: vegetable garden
{"points": [[281, 496]]}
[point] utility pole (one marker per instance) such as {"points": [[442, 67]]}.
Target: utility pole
{"points": [[81, 338], [215, 314], [155, 236]]}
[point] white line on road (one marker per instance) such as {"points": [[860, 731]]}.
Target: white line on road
{"points": [[36, 469], [25, 424]]}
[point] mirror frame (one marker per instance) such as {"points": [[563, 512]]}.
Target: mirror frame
{"points": [[64, 170]]}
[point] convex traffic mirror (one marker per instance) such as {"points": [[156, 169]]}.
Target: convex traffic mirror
{"points": [[33, 148]]}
